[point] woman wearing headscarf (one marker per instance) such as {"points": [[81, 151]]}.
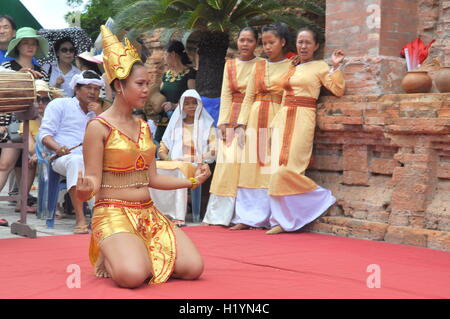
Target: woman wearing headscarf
{"points": [[189, 139]]}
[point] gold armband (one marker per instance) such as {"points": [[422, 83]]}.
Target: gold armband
{"points": [[194, 182]]}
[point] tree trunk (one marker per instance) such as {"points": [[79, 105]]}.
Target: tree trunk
{"points": [[212, 50]]}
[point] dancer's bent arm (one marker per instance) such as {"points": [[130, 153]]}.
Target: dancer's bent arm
{"points": [[93, 147], [165, 182]]}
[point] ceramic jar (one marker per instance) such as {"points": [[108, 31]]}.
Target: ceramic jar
{"points": [[417, 82], [442, 80]]}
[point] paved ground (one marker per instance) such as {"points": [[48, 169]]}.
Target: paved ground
{"points": [[62, 226]]}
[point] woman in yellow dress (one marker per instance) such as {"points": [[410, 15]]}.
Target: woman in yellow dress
{"points": [[131, 240], [296, 200], [262, 101], [236, 75]]}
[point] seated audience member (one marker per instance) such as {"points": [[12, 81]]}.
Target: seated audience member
{"points": [[87, 61], [23, 48], [61, 73], [62, 131], [44, 94], [189, 139], [26, 45]]}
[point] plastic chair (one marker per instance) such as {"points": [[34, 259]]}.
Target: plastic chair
{"points": [[49, 187], [50, 184]]}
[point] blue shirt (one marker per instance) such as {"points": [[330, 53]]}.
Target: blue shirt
{"points": [[4, 58]]}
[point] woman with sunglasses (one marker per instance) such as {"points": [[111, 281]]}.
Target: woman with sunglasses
{"points": [[61, 72]]}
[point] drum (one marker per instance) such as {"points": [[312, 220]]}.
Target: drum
{"points": [[17, 91]]}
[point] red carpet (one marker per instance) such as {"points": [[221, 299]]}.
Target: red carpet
{"points": [[244, 264]]}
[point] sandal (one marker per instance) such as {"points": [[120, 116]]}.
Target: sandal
{"points": [[81, 229]]}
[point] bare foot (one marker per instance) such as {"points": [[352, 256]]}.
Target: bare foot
{"points": [[275, 230], [100, 269], [239, 227], [204, 224]]}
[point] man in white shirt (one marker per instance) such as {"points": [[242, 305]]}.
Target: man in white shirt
{"points": [[63, 127]]}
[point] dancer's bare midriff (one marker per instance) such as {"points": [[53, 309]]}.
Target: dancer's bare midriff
{"points": [[131, 194]]}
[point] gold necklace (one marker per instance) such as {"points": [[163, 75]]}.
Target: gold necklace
{"points": [[172, 76]]}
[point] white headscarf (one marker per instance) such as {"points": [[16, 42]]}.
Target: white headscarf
{"points": [[79, 79], [173, 135]]}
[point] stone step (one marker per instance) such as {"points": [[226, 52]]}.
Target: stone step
{"points": [[363, 229]]}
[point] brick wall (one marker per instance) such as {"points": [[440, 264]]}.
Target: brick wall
{"points": [[387, 161], [373, 32]]}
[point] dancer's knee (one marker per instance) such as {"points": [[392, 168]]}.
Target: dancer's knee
{"points": [[129, 277], [192, 270]]}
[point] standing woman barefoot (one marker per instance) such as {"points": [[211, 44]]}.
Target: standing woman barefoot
{"points": [[236, 75], [131, 240], [296, 200], [262, 101]]}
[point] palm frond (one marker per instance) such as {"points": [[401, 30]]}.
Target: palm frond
{"points": [[220, 15]]}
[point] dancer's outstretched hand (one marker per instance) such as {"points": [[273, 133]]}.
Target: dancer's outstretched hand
{"points": [[84, 187], [202, 173]]}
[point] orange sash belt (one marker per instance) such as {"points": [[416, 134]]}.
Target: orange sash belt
{"points": [[292, 102], [236, 103], [263, 122]]}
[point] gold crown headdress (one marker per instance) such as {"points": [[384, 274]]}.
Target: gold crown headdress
{"points": [[118, 59]]}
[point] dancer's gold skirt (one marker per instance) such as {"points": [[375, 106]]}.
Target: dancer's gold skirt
{"points": [[140, 218]]}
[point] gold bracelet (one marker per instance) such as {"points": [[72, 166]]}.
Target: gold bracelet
{"points": [[92, 194], [194, 182]]}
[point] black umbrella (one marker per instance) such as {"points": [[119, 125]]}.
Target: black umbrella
{"points": [[79, 37]]}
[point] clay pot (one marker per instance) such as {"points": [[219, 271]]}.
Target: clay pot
{"points": [[442, 80], [417, 82]]}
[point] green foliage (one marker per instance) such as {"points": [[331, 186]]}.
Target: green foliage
{"points": [[213, 15], [94, 14], [216, 20]]}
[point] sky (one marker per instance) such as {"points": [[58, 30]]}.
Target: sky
{"points": [[49, 13]]}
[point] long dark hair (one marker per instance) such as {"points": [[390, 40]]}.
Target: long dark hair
{"points": [[280, 30], [178, 47]]}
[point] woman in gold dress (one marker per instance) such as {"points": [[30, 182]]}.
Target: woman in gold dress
{"points": [[237, 73], [295, 199], [131, 240], [262, 101]]}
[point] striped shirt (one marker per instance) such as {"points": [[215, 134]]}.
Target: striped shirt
{"points": [[13, 65]]}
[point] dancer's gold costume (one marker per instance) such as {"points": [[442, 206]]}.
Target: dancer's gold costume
{"points": [[125, 164]]}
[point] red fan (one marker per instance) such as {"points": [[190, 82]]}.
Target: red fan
{"points": [[415, 53]]}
